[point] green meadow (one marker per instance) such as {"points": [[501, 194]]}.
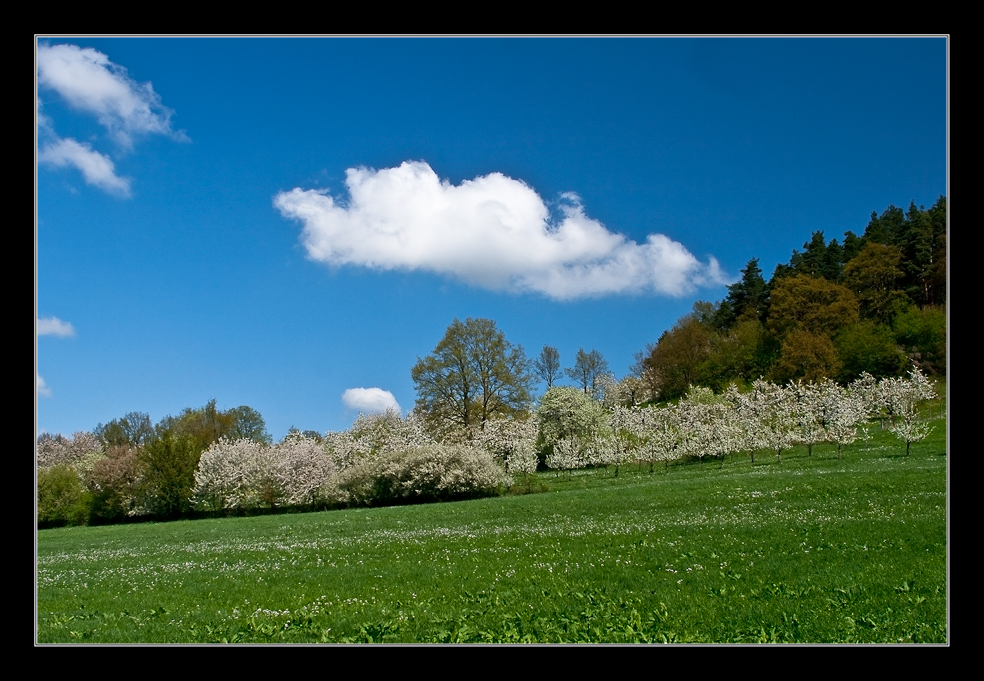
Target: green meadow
{"points": [[814, 549]]}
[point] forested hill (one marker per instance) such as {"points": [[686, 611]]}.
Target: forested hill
{"points": [[875, 303]]}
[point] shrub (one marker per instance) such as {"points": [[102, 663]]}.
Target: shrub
{"points": [[62, 498], [429, 473], [244, 474]]}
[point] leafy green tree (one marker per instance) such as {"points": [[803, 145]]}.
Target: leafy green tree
{"points": [[868, 347], [247, 423], [922, 335], [131, 430], [473, 375], [806, 355], [811, 304], [62, 497], [680, 357], [168, 463], [743, 352], [872, 275]]}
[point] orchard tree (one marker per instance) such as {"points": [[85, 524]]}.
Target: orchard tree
{"points": [[567, 454], [901, 398], [770, 408], [844, 411], [566, 413], [54, 450], [473, 375], [646, 372]]}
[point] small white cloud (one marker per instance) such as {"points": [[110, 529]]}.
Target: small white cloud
{"points": [[43, 389], [370, 400], [52, 326], [493, 231], [97, 169], [90, 82]]}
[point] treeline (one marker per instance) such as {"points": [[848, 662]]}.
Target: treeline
{"points": [[165, 472], [874, 303], [130, 467]]}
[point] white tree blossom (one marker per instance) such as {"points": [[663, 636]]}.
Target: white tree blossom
{"points": [[901, 398], [52, 450]]}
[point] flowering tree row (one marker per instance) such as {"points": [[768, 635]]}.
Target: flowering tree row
{"points": [[389, 458], [386, 458], [382, 458], [703, 424]]}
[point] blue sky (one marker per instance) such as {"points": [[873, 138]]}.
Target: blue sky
{"points": [[276, 221]]}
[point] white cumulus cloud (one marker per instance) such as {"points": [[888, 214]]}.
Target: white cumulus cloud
{"points": [[370, 400], [52, 326], [97, 169], [90, 82], [43, 389], [494, 231]]}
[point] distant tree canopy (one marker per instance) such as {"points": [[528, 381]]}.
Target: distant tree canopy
{"points": [[872, 303]]}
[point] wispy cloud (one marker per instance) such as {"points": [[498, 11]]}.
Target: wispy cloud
{"points": [[42, 388], [94, 85], [52, 326], [494, 231], [370, 400], [90, 82], [97, 169]]}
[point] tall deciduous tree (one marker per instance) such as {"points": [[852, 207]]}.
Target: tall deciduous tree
{"points": [[547, 365], [678, 358], [811, 304], [131, 430], [473, 375], [588, 367], [872, 276]]}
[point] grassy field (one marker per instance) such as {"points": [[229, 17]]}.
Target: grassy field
{"points": [[814, 549]]}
